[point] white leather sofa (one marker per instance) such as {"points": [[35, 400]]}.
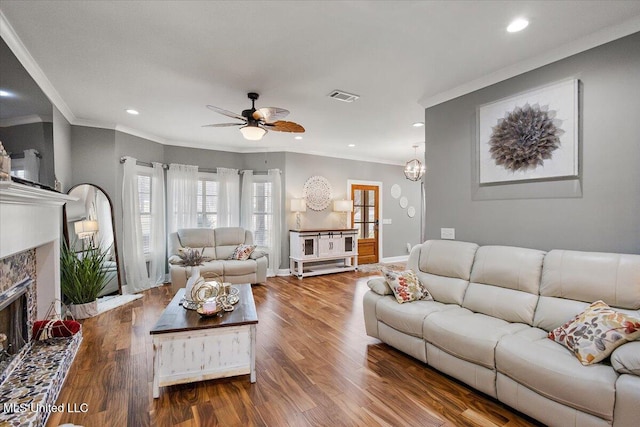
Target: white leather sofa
{"points": [[487, 326], [218, 244]]}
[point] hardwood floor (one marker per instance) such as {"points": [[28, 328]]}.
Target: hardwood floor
{"points": [[315, 366]]}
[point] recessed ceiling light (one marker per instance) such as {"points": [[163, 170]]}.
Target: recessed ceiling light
{"points": [[517, 25], [418, 124], [351, 145], [132, 111], [4, 93], [297, 137]]}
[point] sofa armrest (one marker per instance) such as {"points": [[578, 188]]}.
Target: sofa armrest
{"points": [[257, 253], [626, 358], [379, 286], [175, 259]]}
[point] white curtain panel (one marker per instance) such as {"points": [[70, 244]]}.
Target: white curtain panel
{"points": [[228, 197], [182, 196], [246, 201], [133, 254], [158, 239], [31, 165], [274, 238]]}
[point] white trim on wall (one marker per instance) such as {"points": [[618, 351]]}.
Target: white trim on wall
{"points": [[12, 40], [350, 183], [590, 41]]}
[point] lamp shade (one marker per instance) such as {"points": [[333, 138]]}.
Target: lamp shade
{"points": [[85, 228], [343, 206], [252, 133], [298, 205]]}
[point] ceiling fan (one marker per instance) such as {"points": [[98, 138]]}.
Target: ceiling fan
{"points": [[256, 123]]}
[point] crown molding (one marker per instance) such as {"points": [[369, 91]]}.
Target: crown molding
{"points": [[29, 63], [142, 134], [25, 120], [598, 38]]}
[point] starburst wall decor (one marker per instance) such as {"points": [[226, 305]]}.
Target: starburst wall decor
{"points": [[530, 136]]}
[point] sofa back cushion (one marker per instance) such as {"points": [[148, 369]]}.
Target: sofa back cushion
{"points": [[195, 238], [443, 267], [571, 280], [227, 240], [505, 283]]}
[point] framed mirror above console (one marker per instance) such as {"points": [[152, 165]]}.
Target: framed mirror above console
{"points": [[90, 221]]}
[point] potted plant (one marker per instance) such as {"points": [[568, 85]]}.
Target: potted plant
{"points": [[82, 278]]}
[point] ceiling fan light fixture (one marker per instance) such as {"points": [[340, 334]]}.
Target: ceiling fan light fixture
{"points": [[252, 133]]}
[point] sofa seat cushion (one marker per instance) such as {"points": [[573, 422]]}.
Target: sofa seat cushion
{"points": [[239, 268], [407, 317], [211, 267], [541, 365], [468, 335]]}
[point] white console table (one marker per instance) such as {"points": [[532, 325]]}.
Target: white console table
{"points": [[314, 252]]}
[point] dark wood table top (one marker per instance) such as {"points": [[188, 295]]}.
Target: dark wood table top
{"points": [[175, 318]]}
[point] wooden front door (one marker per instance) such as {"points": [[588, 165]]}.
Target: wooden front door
{"points": [[365, 218]]}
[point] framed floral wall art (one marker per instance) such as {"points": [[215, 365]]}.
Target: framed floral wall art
{"points": [[530, 136]]}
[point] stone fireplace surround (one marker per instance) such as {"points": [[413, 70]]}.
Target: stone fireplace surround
{"points": [[30, 233]]}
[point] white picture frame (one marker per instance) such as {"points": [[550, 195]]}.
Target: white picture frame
{"points": [[556, 105]]}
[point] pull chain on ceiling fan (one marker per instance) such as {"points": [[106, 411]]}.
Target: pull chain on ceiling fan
{"points": [[256, 122]]}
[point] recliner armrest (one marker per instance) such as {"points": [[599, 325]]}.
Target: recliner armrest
{"points": [[257, 254]]}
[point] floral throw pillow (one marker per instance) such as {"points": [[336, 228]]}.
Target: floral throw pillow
{"points": [[242, 252], [406, 286], [593, 334]]}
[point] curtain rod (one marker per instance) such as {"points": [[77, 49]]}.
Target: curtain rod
{"points": [[205, 170]]}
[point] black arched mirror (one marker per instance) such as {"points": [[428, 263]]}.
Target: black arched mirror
{"points": [[90, 221]]}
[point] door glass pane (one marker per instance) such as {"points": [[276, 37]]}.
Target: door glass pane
{"points": [[371, 198], [357, 214], [357, 198], [358, 227], [371, 231], [371, 214]]}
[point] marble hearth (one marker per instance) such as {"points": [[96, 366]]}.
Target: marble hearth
{"points": [[30, 233]]}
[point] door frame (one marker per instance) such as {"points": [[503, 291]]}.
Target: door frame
{"points": [[351, 183]]}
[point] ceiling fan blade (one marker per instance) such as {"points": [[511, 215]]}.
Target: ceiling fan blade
{"points": [[270, 114], [225, 112], [284, 126], [223, 125]]}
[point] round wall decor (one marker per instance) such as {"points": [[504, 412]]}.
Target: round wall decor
{"points": [[317, 193], [396, 191], [404, 202], [411, 211]]}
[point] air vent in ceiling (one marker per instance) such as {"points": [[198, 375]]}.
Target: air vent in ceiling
{"points": [[343, 96]]}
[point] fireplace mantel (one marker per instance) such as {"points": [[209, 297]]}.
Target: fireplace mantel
{"points": [[12, 192], [31, 217]]}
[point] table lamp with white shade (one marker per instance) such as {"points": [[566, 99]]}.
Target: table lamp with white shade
{"points": [[343, 206], [297, 206]]}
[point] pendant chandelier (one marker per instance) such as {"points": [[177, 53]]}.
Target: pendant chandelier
{"points": [[414, 169]]}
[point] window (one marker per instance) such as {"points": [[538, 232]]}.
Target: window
{"points": [[144, 204], [262, 218], [207, 201]]}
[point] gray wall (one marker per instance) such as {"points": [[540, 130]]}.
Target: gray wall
{"points": [[62, 149], [96, 157], [402, 230], [38, 136], [597, 212]]}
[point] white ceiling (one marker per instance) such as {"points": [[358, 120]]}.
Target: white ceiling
{"points": [[168, 59]]}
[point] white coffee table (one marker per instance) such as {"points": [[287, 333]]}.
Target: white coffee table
{"points": [[189, 348]]}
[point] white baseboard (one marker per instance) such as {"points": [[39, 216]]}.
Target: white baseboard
{"points": [[402, 258], [283, 272]]}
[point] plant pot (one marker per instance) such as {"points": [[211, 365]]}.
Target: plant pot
{"points": [[84, 311]]}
